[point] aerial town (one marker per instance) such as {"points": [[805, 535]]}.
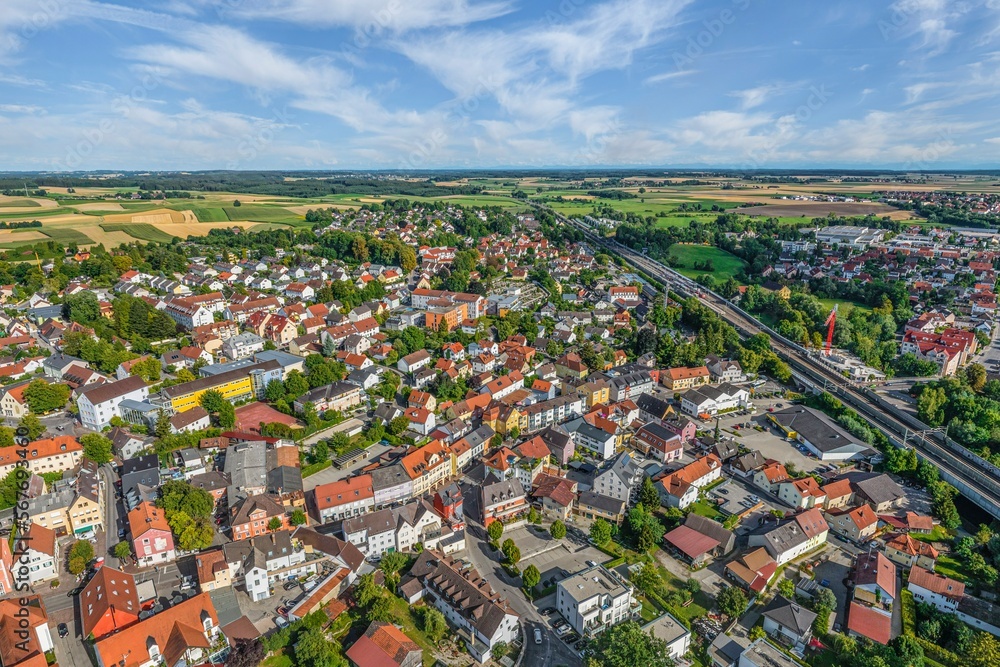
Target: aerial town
{"points": [[413, 434]]}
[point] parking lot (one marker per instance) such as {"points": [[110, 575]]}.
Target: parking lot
{"points": [[832, 573]]}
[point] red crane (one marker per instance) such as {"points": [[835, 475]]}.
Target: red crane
{"points": [[830, 321]]}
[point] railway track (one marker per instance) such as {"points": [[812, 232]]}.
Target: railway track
{"points": [[975, 477]]}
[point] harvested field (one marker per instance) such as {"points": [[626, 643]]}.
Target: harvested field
{"points": [[160, 216], [818, 209], [99, 206], [10, 202], [7, 235], [141, 231]]}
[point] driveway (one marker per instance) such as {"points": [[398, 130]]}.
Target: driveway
{"points": [[835, 570]]}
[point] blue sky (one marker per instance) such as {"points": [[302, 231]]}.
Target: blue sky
{"points": [[351, 84]]}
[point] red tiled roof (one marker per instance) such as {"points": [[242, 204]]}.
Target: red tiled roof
{"points": [[869, 623]]}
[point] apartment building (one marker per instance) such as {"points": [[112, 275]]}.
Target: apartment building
{"points": [[99, 404], [344, 499], [594, 600]]}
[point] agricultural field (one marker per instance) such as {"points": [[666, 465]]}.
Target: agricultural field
{"points": [[810, 209], [141, 231], [684, 256]]}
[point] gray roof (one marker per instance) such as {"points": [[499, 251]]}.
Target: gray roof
{"points": [[284, 479], [387, 477], [372, 523], [502, 491], [818, 429], [666, 627], [603, 503], [592, 582], [796, 618], [245, 464], [283, 358], [877, 488], [713, 529], [653, 405]]}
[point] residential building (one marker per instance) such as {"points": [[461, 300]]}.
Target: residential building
{"points": [[26, 636], [242, 345], [338, 396], [187, 633], [943, 593], [907, 552], [480, 616], [385, 645], [620, 479], [99, 404], [592, 506], [714, 400], [753, 570], [658, 442], [680, 379], [503, 500], [252, 516], [152, 540], [788, 539], [347, 498], [680, 488], [40, 558], [108, 602], [47, 455], [874, 578], [788, 622], [594, 600], [857, 525]]}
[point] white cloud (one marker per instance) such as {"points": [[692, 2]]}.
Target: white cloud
{"points": [[932, 20], [755, 97], [668, 76], [372, 17]]}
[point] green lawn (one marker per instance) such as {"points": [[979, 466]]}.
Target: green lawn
{"points": [[844, 306], [939, 534], [403, 615], [278, 660], [683, 257], [706, 509], [260, 213], [205, 214], [952, 567]]}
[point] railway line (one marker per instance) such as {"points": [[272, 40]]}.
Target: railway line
{"points": [[975, 478]]}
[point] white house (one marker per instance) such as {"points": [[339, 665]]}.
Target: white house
{"points": [[713, 400], [99, 404], [242, 345], [42, 555], [594, 600]]}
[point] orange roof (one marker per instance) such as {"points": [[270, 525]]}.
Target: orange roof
{"points": [[502, 459], [146, 516], [173, 631], [347, 490], [15, 649], [839, 489], [40, 449], [429, 456], [863, 516], [678, 482], [687, 373], [936, 583]]}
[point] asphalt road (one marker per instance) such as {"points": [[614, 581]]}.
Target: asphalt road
{"points": [[552, 652]]}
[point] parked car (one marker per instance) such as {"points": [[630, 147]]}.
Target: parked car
{"points": [[281, 622], [290, 585], [63, 630], [538, 636], [591, 563]]}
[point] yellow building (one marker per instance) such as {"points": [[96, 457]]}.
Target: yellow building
{"points": [[235, 385], [594, 393]]}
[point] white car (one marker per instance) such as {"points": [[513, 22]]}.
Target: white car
{"points": [[538, 636], [281, 622]]}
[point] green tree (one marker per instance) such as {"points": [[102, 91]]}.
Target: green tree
{"points": [[123, 550], [495, 531], [212, 401], [600, 532], [197, 535], [147, 369], [296, 384], [732, 601], [380, 610], [298, 517], [626, 645], [77, 565], [274, 524], [433, 623], [648, 495], [162, 428], [984, 651], [531, 577], [975, 375], [274, 391], [83, 550], [43, 397], [97, 448], [511, 552], [786, 587], [930, 405], [33, 425], [181, 496], [227, 415], [314, 649], [557, 529], [398, 425]]}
